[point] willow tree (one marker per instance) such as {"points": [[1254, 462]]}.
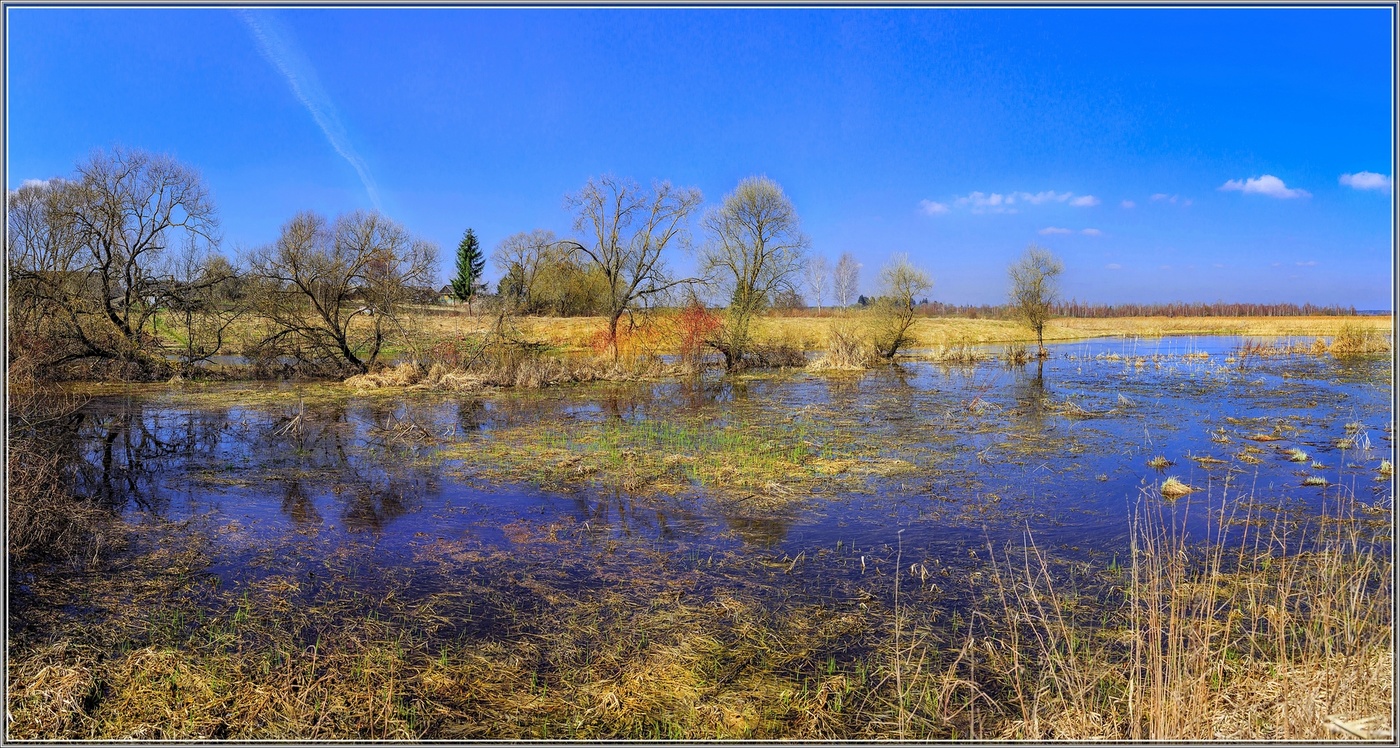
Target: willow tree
{"points": [[1034, 281], [91, 257], [333, 293], [755, 250], [628, 228], [900, 282]]}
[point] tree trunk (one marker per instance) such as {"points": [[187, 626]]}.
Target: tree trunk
{"points": [[612, 333]]}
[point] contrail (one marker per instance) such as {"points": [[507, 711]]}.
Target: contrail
{"points": [[281, 50]]}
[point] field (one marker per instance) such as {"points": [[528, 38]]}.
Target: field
{"points": [[809, 332]]}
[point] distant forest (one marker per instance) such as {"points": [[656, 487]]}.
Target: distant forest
{"points": [[1074, 308]]}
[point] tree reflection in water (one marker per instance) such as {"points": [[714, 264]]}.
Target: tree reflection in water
{"points": [[134, 456]]}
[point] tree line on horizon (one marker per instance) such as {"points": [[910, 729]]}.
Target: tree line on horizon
{"points": [[1087, 310], [117, 270]]}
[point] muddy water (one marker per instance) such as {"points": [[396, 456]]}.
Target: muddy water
{"points": [[356, 495]]}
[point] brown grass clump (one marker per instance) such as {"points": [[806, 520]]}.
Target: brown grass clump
{"points": [[957, 350], [642, 660], [1354, 340], [847, 349], [511, 367], [1015, 354], [50, 691], [1172, 488], [402, 375]]}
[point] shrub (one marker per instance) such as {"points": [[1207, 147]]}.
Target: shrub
{"points": [[1016, 354], [694, 325], [46, 522], [1355, 341], [846, 348]]}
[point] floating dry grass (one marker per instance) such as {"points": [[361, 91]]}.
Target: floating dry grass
{"points": [[1173, 488]]}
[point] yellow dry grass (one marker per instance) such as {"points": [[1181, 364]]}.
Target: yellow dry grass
{"points": [[811, 333]]}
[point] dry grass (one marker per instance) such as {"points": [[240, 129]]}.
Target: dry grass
{"points": [[1173, 488], [607, 668], [1358, 340], [511, 649], [494, 362], [1263, 636], [44, 522], [848, 348], [1266, 634], [812, 332], [1015, 354]]}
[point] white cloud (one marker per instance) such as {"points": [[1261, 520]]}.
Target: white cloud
{"points": [[40, 183], [997, 202], [280, 49], [1113, 266], [1306, 264], [1091, 232], [1048, 196], [931, 208], [1048, 230], [1266, 185], [1160, 196], [981, 202], [1366, 180], [1129, 204]]}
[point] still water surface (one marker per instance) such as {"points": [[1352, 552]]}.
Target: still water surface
{"points": [[359, 488]]}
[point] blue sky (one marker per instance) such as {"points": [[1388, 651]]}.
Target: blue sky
{"points": [[958, 136]]}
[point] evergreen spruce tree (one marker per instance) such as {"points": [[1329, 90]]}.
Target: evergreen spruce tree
{"points": [[470, 264]]}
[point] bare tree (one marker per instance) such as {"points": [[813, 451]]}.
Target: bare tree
{"points": [[755, 250], [48, 294], [900, 282], [1034, 289], [100, 261], [209, 301], [817, 271], [333, 293], [544, 275], [844, 279], [521, 258], [629, 229]]}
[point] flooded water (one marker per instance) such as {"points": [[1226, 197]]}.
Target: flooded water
{"points": [[426, 491]]}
